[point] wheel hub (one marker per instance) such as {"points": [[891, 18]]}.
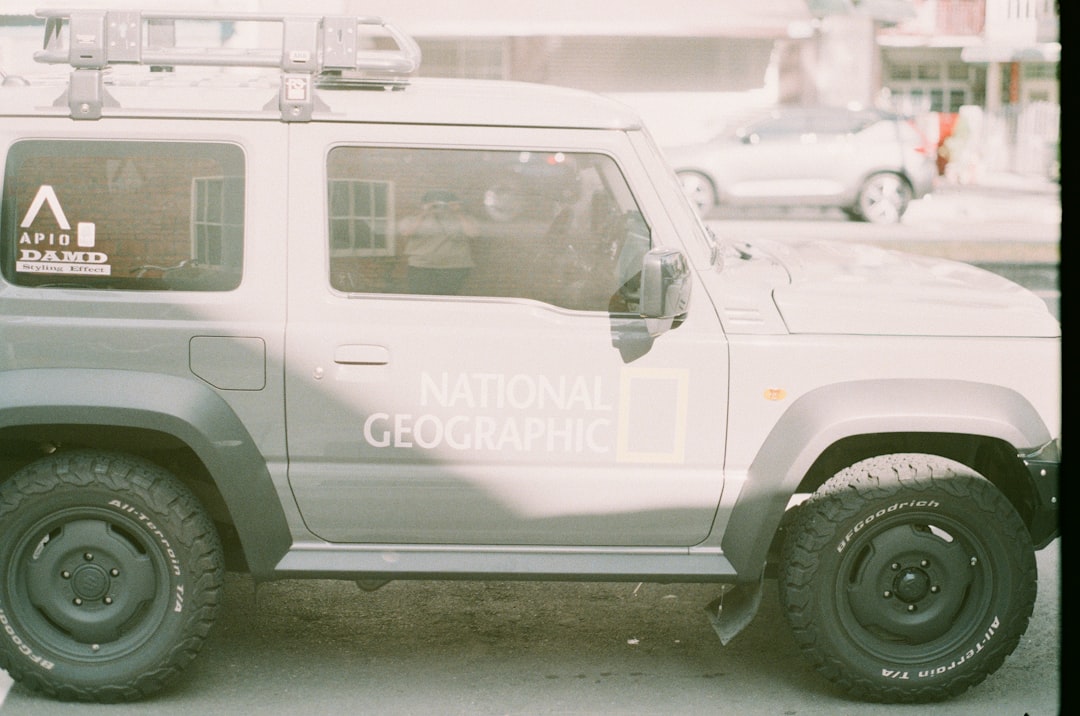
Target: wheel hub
{"points": [[908, 583], [90, 582], [911, 585]]}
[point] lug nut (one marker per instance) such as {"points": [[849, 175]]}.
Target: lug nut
{"points": [[65, 574], [88, 557]]}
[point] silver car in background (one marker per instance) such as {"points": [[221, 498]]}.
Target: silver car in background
{"points": [[868, 163]]}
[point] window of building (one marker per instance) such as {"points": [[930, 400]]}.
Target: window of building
{"points": [[473, 58], [558, 227], [900, 72], [217, 220], [361, 218], [1040, 70], [930, 86], [123, 215], [959, 71], [928, 71], [659, 64]]}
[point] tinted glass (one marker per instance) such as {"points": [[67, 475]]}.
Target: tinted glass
{"points": [[123, 215], [561, 228]]}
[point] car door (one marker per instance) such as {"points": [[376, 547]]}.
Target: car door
{"points": [[463, 376], [794, 158]]}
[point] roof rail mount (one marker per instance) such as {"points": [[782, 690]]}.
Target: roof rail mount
{"points": [[310, 46]]}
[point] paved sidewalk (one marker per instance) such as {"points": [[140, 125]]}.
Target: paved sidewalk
{"points": [[1005, 218], [1000, 197]]}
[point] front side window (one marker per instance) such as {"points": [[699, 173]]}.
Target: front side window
{"points": [[786, 127], [557, 227], [123, 215]]}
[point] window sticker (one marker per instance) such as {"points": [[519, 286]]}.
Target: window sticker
{"points": [[49, 249]]}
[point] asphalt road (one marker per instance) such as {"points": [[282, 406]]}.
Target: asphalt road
{"points": [[533, 648]]}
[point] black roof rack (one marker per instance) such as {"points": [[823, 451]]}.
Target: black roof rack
{"points": [[310, 46]]}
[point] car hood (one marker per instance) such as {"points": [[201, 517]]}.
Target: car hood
{"points": [[857, 289]]}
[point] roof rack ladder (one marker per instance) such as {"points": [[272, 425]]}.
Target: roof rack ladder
{"points": [[311, 45]]}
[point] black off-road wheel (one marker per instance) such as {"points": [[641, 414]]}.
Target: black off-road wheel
{"points": [[111, 575], [907, 578]]}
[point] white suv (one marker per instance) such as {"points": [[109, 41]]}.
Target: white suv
{"points": [[273, 325], [868, 163]]}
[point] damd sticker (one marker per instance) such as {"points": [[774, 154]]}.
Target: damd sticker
{"points": [[58, 251]]}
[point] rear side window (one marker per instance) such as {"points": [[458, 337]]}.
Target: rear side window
{"points": [[123, 215]]}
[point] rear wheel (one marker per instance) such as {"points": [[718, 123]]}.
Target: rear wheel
{"points": [[907, 578], [110, 576], [883, 199]]}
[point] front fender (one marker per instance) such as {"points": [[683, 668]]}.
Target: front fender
{"points": [[826, 415], [185, 409]]}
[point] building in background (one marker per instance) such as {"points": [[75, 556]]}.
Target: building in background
{"points": [[989, 70], [693, 65]]}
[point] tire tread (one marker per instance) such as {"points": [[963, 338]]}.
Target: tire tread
{"points": [[162, 493], [818, 521]]}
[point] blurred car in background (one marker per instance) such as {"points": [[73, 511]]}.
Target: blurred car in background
{"points": [[868, 163]]}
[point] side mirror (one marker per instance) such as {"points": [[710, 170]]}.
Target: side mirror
{"points": [[665, 289]]}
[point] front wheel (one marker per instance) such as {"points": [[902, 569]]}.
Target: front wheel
{"points": [[883, 199], [110, 576], [907, 578]]}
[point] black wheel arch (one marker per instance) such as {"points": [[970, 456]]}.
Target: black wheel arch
{"points": [[981, 426], [182, 425], [991, 457]]}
